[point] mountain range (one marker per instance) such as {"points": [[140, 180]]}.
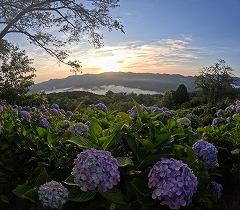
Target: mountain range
{"points": [[157, 83]]}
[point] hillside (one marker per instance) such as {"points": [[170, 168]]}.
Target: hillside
{"points": [[144, 81]]}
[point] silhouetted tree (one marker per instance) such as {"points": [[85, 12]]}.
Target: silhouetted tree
{"points": [[181, 95], [16, 74], [215, 82], [74, 20]]}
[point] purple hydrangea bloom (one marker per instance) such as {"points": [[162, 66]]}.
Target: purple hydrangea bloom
{"points": [[14, 111], [43, 109], [79, 129], [69, 114], [53, 194], [25, 114], [1, 108], [167, 113], [26, 108], [54, 111], [102, 107], [96, 170], [62, 111], [229, 119], [33, 109], [218, 187], [60, 129], [215, 121], [207, 152], [133, 111], [229, 108], [219, 112], [54, 106], [43, 122], [173, 181]]}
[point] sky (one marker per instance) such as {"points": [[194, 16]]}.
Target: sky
{"points": [[161, 36]]}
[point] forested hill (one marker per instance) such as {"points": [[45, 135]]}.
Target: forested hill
{"points": [[143, 81]]}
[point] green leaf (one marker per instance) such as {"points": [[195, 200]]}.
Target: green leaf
{"points": [[70, 181], [31, 195], [124, 161], [132, 143], [171, 123], [152, 159], [41, 131], [139, 109], [4, 199], [140, 186], [20, 190], [235, 152], [81, 142], [114, 195], [95, 130], [75, 194], [42, 178]]}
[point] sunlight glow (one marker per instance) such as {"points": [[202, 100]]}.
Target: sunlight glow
{"points": [[108, 65]]}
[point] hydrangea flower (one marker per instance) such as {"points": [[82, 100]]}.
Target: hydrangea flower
{"points": [[79, 129], [218, 187], [215, 121], [25, 114], [26, 108], [184, 121], [69, 114], [62, 111], [229, 119], [96, 170], [219, 112], [43, 109], [173, 181], [14, 111], [54, 106], [133, 111], [53, 194], [102, 107], [207, 152], [43, 122], [54, 111], [229, 108]]}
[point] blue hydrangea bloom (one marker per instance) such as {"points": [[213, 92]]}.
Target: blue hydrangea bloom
{"points": [[229, 108], [25, 114], [218, 187], [215, 121], [43, 122], [79, 129], [173, 181], [102, 107], [96, 170], [54, 106], [53, 194], [206, 152], [62, 111]]}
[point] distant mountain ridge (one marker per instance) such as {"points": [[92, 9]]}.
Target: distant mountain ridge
{"points": [[144, 81]]}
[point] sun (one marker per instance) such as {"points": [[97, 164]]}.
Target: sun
{"points": [[109, 65]]}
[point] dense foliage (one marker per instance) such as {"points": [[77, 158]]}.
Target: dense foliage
{"points": [[146, 158]]}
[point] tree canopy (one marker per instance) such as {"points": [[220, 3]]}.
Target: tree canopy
{"points": [[51, 24], [215, 82]]}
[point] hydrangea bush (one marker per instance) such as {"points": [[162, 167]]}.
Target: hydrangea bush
{"points": [[138, 159]]}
